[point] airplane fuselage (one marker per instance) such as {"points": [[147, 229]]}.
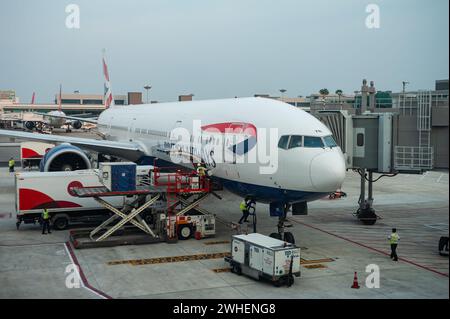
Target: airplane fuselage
{"points": [[237, 139]]}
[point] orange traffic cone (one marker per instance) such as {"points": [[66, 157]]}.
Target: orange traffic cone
{"points": [[355, 282]]}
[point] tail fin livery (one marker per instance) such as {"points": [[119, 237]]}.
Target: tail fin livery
{"points": [[108, 98]]}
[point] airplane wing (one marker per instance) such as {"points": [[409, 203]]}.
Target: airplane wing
{"points": [[93, 121], [128, 150]]}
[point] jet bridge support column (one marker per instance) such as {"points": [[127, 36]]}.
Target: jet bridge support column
{"points": [[365, 212]]}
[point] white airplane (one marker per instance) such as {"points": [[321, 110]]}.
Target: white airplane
{"points": [[309, 164], [58, 119]]}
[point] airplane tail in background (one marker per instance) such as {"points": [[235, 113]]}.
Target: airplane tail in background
{"points": [[108, 97], [60, 99], [32, 98]]}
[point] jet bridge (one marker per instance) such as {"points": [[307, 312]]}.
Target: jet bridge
{"points": [[366, 141]]}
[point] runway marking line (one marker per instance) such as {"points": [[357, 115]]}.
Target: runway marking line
{"points": [[85, 282], [371, 248]]}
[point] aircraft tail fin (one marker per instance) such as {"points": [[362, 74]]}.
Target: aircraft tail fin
{"points": [[108, 97], [60, 99]]}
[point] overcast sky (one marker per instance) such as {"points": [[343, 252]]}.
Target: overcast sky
{"points": [[221, 48]]}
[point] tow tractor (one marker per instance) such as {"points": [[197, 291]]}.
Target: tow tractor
{"points": [[443, 246], [164, 207], [337, 194]]}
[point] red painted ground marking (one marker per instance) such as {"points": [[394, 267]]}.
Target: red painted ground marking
{"points": [[82, 275], [371, 248]]}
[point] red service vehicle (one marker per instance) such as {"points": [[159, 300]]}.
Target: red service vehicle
{"points": [[31, 153], [37, 190]]}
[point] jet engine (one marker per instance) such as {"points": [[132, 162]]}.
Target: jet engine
{"points": [[65, 157], [77, 125], [30, 125]]}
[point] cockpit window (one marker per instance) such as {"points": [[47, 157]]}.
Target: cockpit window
{"points": [[295, 141], [329, 141], [313, 141], [283, 142]]}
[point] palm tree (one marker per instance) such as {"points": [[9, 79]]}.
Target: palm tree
{"points": [[339, 93], [324, 93]]}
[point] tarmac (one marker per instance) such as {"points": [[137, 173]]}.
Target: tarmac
{"points": [[334, 245]]}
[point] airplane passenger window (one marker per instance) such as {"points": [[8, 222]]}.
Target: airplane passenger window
{"points": [[283, 142], [329, 141], [295, 141], [313, 141]]}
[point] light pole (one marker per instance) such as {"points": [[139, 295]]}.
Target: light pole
{"points": [[282, 94], [147, 88]]}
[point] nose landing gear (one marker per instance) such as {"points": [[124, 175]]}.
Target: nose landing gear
{"points": [[282, 224]]}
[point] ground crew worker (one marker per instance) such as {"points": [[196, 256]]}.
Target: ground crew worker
{"points": [[243, 206], [11, 164], [45, 221], [201, 169], [393, 240]]}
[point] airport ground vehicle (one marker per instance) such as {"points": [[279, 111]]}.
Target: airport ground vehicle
{"points": [[263, 257], [31, 153], [53, 190], [443, 246], [337, 194], [162, 206], [56, 191]]}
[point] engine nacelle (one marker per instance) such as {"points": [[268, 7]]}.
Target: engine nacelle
{"points": [[65, 157], [77, 125], [30, 125]]}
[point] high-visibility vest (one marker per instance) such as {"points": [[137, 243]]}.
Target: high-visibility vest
{"points": [[393, 239], [201, 171], [11, 163], [243, 205], [45, 214]]}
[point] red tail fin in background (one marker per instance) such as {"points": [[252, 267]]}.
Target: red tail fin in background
{"points": [[108, 98], [32, 98]]}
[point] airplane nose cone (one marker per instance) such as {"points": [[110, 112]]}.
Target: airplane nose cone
{"points": [[328, 171]]}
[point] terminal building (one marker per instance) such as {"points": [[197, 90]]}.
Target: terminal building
{"points": [[73, 103]]}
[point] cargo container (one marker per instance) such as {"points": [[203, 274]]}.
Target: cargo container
{"points": [[118, 177]]}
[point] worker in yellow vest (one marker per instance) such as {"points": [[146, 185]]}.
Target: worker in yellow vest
{"points": [[393, 240], [201, 169], [243, 206], [11, 164], [45, 222]]}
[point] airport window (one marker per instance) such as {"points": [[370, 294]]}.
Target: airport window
{"points": [[97, 102], [329, 141], [360, 139], [295, 141], [119, 102], [313, 141], [67, 101], [283, 143]]}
